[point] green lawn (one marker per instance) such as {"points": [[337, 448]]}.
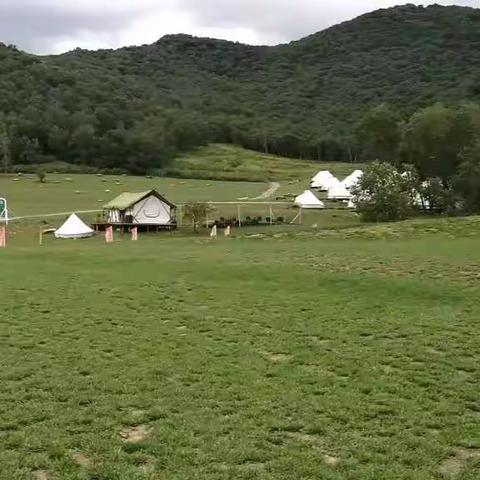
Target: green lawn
{"points": [[301, 357], [62, 193]]}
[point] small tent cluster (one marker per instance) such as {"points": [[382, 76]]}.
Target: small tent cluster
{"points": [[336, 190]]}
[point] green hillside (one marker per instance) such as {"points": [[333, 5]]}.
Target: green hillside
{"points": [[136, 108], [229, 162]]}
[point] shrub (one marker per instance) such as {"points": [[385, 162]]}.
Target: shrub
{"points": [[41, 175], [382, 194]]}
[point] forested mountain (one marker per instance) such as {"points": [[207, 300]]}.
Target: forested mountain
{"points": [[137, 107]]}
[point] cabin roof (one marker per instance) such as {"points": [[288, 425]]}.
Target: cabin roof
{"points": [[128, 199]]}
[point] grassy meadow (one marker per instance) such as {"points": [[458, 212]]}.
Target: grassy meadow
{"points": [[334, 355], [272, 178], [328, 350], [64, 193], [234, 163]]}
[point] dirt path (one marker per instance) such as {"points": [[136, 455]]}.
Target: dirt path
{"points": [[274, 186]]}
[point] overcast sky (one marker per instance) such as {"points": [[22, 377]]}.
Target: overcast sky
{"points": [[54, 26]]}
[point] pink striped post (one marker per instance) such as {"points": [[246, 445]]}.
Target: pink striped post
{"points": [[134, 231], [109, 234], [3, 237]]}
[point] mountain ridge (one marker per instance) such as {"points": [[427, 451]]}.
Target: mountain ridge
{"points": [[303, 98]]}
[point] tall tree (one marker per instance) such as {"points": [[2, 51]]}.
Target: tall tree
{"points": [[467, 181], [4, 144], [379, 134], [382, 194], [430, 142]]}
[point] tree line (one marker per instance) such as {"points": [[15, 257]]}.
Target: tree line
{"points": [[440, 145]]}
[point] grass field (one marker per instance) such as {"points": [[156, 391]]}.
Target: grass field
{"points": [[27, 196], [79, 193], [74, 192], [348, 356], [231, 162]]}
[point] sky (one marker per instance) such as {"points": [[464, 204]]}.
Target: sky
{"points": [[56, 26]]}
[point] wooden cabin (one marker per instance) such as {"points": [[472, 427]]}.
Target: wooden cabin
{"points": [[149, 210]]}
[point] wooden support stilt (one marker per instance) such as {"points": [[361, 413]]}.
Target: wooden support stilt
{"points": [[179, 215]]}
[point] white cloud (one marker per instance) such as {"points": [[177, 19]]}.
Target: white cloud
{"points": [[46, 26]]}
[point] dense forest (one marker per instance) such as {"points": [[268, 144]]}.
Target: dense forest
{"points": [[136, 108]]}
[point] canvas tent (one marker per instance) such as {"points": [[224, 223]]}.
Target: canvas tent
{"points": [[143, 208], [323, 180], [308, 200], [339, 192], [352, 180], [74, 228]]}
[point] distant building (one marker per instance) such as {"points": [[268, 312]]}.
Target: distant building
{"points": [[143, 209]]}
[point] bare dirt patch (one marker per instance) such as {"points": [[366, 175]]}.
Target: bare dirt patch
{"points": [[253, 466], [330, 461], [82, 460], [453, 466], [42, 475], [147, 467], [135, 434], [276, 357], [303, 438]]}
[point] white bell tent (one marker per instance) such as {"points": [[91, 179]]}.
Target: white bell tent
{"points": [[339, 192], [74, 228], [309, 200], [323, 180], [352, 179]]}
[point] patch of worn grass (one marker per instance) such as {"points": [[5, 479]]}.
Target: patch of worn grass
{"points": [[238, 358]]}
